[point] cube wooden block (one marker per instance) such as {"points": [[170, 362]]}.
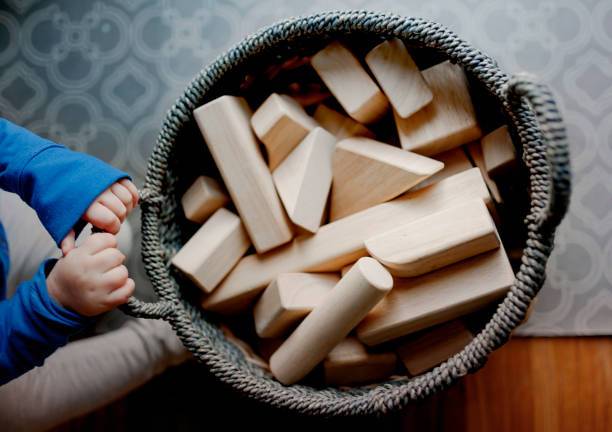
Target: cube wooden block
{"points": [[498, 152], [350, 83], [202, 199], [439, 296], [225, 125], [434, 346], [213, 250], [399, 77], [339, 124], [288, 299], [454, 161], [437, 240], [448, 121], [368, 172], [304, 178], [351, 362], [474, 149], [341, 242], [281, 123]]}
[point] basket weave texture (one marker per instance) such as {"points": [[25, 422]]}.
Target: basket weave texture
{"points": [[530, 111]]}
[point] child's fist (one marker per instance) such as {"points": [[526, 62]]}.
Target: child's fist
{"points": [[91, 279]]}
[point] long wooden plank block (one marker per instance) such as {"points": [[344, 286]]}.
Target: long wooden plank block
{"points": [[341, 242], [339, 124], [454, 161], [436, 297], [225, 125]]}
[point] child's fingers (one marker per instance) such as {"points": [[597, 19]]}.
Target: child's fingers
{"points": [[130, 186], [113, 203], [97, 242], [124, 195], [108, 259], [115, 277], [67, 243], [103, 218], [121, 294]]}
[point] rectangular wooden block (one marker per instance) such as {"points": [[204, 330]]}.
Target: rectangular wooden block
{"points": [[436, 297], [448, 121], [350, 83], [339, 124], [340, 242], [367, 172], [454, 161], [498, 152], [474, 149], [399, 77], [213, 250], [437, 240], [224, 123], [434, 346], [281, 123], [288, 299], [202, 199], [304, 178], [351, 362]]}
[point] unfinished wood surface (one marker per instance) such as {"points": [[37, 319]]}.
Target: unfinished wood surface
{"points": [[288, 299], [339, 243], [474, 149], [339, 124], [304, 178], [281, 123], [350, 83], [368, 172], [437, 240], [434, 346], [436, 297], [202, 199], [454, 161], [331, 320], [224, 123], [351, 362], [448, 121], [499, 154], [213, 250], [399, 77]]}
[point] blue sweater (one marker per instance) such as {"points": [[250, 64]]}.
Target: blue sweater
{"points": [[59, 185]]}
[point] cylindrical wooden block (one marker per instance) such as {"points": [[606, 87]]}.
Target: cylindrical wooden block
{"points": [[363, 286]]}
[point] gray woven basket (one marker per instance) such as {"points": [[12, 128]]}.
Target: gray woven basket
{"points": [[539, 135]]}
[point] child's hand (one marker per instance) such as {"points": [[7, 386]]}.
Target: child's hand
{"points": [[108, 211], [91, 279]]}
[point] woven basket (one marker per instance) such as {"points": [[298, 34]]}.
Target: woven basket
{"points": [[180, 155]]}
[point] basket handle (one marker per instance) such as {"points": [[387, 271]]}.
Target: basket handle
{"points": [[524, 86]]}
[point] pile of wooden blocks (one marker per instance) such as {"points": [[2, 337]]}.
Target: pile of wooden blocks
{"points": [[365, 252]]}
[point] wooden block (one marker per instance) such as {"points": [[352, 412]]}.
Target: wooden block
{"points": [[304, 178], [399, 77], [454, 161], [350, 83], [224, 123], [474, 149], [266, 347], [281, 123], [213, 250], [202, 199], [432, 347], [368, 172], [339, 124], [437, 240], [436, 297], [499, 154], [331, 320], [288, 299], [339, 243], [350, 362], [346, 268], [448, 121]]}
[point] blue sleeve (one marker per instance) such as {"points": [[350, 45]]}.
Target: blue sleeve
{"points": [[59, 184], [32, 326]]}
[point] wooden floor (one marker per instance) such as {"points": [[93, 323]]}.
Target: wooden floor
{"points": [[539, 384]]}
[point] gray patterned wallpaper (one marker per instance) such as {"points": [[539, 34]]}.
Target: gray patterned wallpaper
{"points": [[99, 76]]}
